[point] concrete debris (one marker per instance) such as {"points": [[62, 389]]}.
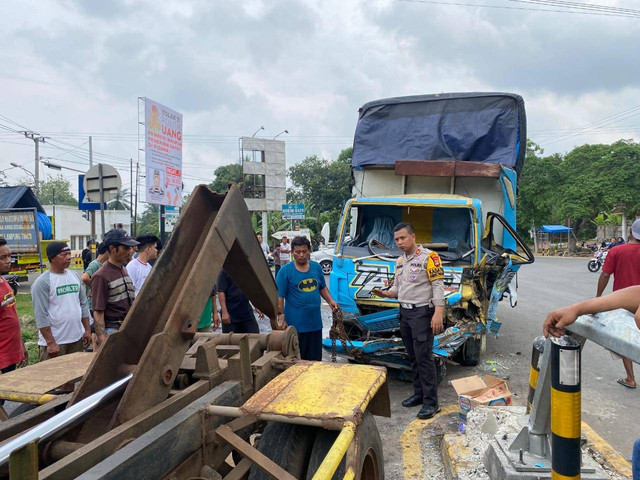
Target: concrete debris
{"points": [[490, 425]]}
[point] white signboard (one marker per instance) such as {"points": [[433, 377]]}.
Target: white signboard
{"points": [[170, 218], [163, 154]]}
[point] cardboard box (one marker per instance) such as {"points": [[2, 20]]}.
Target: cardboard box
{"points": [[476, 390]]}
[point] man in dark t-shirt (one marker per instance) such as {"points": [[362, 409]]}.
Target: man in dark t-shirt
{"points": [[623, 262], [236, 311], [111, 288]]}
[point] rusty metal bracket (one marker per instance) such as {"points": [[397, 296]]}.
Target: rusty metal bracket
{"points": [[213, 232], [23, 463], [261, 461]]}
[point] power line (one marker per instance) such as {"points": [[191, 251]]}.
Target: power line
{"points": [[582, 6], [503, 7]]}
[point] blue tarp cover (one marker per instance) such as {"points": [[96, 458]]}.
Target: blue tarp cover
{"points": [[478, 127], [555, 229]]}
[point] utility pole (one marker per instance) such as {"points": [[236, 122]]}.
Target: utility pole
{"points": [[37, 138], [135, 208], [92, 212], [131, 192]]}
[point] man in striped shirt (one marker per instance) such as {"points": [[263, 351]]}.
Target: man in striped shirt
{"points": [[112, 290]]}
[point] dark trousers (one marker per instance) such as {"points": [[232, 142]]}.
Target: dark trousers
{"points": [[9, 368], [277, 270], [310, 345], [417, 336], [248, 326]]}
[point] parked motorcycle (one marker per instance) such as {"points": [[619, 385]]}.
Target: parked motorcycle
{"points": [[597, 261]]}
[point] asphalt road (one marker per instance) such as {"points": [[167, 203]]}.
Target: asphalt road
{"points": [[549, 283]]}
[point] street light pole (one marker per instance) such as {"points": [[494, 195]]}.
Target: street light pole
{"points": [[284, 131]]}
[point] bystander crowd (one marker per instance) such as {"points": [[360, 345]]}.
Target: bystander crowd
{"points": [[236, 312], [13, 352], [94, 266], [139, 268], [112, 290], [60, 306], [285, 251]]}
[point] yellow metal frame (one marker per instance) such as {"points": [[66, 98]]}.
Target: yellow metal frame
{"points": [[28, 398], [330, 395], [334, 456]]}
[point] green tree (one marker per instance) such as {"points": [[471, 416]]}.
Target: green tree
{"points": [[149, 221], [538, 189], [58, 188], [323, 183], [225, 175], [598, 178]]}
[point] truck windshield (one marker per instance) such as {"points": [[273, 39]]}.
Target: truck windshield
{"points": [[368, 230]]}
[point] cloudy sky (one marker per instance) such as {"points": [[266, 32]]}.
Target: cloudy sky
{"points": [[70, 69]]}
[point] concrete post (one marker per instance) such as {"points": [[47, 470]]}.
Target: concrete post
{"points": [[264, 228]]}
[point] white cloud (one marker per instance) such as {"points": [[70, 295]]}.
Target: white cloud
{"points": [[304, 66]]}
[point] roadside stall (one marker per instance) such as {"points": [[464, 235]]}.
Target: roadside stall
{"points": [[550, 239]]}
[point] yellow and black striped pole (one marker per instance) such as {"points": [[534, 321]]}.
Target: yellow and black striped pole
{"points": [[565, 408], [534, 372]]}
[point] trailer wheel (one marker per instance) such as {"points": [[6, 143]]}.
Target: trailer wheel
{"points": [[470, 352], [371, 464], [287, 445]]}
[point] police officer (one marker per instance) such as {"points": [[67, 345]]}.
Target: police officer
{"points": [[419, 287]]}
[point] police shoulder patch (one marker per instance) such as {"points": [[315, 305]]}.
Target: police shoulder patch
{"points": [[434, 267]]}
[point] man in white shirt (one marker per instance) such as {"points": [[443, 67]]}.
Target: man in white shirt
{"points": [[60, 306], [139, 268], [285, 251], [263, 245]]}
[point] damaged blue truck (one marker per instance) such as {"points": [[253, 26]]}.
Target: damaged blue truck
{"points": [[449, 164]]}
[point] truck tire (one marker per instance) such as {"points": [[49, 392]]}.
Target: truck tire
{"points": [[287, 445], [371, 464], [470, 351]]}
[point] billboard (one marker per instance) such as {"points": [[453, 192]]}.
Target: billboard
{"points": [[19, 228], [163, 154]]}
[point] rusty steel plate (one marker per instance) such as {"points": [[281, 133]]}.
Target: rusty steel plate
{"points": [[43, 377]]}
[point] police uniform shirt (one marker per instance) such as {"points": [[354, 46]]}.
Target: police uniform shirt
{"points": [[419, 278]]}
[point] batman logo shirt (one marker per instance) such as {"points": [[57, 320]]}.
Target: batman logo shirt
{"points": [[308, 285]]}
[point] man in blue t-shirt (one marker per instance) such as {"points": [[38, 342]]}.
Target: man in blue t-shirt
{"points": [[300, 288]]}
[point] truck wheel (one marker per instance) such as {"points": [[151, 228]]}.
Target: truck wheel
{"points": [[471, 352], [327, 266], [371, 463], [287, 445]]}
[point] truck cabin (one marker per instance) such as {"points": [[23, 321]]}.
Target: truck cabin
{"points": [[448, 228]]}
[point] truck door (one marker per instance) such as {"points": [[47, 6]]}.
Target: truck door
{"points": [[502, 247]]}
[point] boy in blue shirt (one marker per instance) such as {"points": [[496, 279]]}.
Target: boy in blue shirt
{"points": [[301, 286]]}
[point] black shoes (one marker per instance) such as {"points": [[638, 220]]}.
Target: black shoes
{"points": [[412, 401], [428, 411]]}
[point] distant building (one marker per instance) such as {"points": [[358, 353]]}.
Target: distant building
{"points": [[71, 225]]}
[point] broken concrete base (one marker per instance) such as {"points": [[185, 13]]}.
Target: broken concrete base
{"points": [[500, 467], [476, 455]]}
